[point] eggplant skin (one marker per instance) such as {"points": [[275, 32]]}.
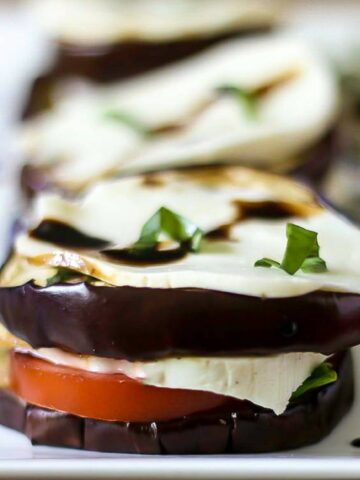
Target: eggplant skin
{"points": [[149, 323], [250, 429]]}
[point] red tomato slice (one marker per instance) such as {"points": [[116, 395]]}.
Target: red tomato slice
{"points": [[102, 396]]}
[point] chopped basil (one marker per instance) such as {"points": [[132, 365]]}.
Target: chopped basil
{"points": [[321, 376], [246, 98], [314, 265], [267, 263], [149, 246], [63, 275], [302, 252], [128, 120]]}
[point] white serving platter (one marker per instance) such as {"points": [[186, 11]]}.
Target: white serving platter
{"points": [[333, 458]]}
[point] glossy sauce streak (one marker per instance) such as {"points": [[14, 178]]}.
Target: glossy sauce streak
{"points": [[146, 257], [355, 443], [266, 209], [247, 210], [60, 233]]}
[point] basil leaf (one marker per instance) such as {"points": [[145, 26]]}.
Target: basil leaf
{"points": [[300, 245], [164, 222], [267, 263], [302, 252], [64, 274], [128, 120], [314, 265], [176, 227], [246, 98], [323, 375]]}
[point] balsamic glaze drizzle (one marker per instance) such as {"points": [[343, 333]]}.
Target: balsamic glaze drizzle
{"points": [[60, 233], [272, 210], [355, 443], [146, 257]]}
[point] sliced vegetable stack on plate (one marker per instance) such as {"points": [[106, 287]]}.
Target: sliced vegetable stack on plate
{"points": [[105, 40], [269, 102], [202, 311]]}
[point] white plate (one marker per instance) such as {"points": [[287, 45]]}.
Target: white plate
{"points": [[332, 458]]}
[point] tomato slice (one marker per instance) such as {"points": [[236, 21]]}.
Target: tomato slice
{"points": [[102, 396]]}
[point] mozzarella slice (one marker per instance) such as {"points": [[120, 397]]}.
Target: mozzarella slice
{"points": [[104, 21], [265, 381], [194, 124], [221, 265], [117, 210]]}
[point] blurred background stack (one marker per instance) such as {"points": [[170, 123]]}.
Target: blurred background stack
{"points": [[44, 42]]}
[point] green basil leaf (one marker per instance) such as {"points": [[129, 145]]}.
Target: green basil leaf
{"points": [[267, 263], [195, 242], [323, 375], [300, 245], [166, 223], [314, 265], [63, 275], [246, 98], [173, 225], [128, 120], [302, 252]]}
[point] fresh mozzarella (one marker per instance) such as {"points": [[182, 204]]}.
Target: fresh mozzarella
{"points": [[94, 22], [117, 210], [195, 124], [265, 381], [221, 265]]}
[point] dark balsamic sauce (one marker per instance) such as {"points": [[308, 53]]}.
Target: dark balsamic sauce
{"points": [[355, 443], [266, 210], [60, 233], [146, 257], [248, 210], [221, 233]]}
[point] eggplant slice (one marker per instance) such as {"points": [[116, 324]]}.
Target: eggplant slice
{"points": [[149, 323]]}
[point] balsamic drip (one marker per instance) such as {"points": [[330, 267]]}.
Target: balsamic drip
{"points": [[266, 209], [221, 233], [355, 443], [145, 257], [60, 233], [246, 210]]}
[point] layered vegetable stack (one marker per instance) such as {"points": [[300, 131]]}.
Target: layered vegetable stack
{"points": [[199, 311], [104, 40], [268, 102]]}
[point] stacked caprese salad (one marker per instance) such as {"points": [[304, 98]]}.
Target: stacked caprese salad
{"points": [[268, 102], [199, 311]]}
